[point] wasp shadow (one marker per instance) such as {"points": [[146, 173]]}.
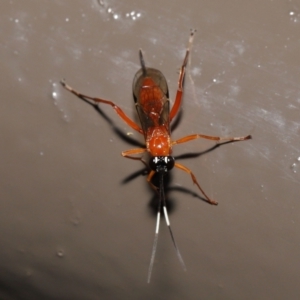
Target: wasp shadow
{"points": [[177, 120], [126, 138], [153, 203], [170, 201]]}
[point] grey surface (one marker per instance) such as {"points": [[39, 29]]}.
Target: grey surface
{"points": [[71, 228]]}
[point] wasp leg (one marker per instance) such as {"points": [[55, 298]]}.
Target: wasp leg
{"points": [[208, 137], [185, 169], [179, 93], [128, 153], [118, 110]]}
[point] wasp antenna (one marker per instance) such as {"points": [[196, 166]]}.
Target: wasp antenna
{"points": [[193, 31], [162, 199], [142, 61], [63, 82], [154, 247], [161, 196], [189, 47], [173, 239]]}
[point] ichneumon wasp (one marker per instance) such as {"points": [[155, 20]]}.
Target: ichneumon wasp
{"points": [[151, 96]]}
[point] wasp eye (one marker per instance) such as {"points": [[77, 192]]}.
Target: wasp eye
{"points": [[170, 162], [161, 163]]}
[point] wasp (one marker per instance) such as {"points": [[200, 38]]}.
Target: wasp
{"points": [[151, 97]]}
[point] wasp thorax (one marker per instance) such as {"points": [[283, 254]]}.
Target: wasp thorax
{"points": [[162, 163]]}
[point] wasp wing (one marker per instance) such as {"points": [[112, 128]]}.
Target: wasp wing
{"points": [[150, 92]]}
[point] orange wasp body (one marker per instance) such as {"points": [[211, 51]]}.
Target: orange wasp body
{"points": [[151, 97]]}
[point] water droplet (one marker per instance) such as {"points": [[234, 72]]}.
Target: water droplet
{"points": [[196, 71], [41, 153], [60, 253], [16, 21], [294, 16], [116, 16], [67, 19], [294, 167], [54, 95], [134, 15], [75, 217], [298, 158], [66, 118]]}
